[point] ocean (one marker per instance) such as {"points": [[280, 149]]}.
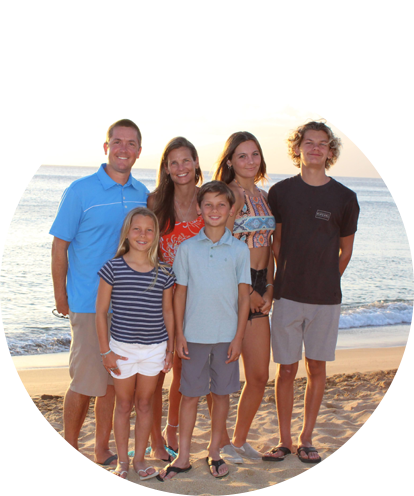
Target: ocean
{"points": [[377, 287]]}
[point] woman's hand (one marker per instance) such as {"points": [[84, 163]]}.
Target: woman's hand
{"points": [[256, 302], [168, 363], [109, 362], [267, 301]]}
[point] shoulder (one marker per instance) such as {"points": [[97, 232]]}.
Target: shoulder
{"points": [[346, 193], [238, 194], [150, 201], [138, 185]]}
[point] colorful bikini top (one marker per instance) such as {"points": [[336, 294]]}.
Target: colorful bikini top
{"points": [[182, 231], [254, 224]]}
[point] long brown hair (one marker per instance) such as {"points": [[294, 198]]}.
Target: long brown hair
{"points": [[225, 173], [163, 195]]}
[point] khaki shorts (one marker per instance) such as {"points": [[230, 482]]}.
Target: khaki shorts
{"points": [[89, 376], [294, 323], [207, 371]]}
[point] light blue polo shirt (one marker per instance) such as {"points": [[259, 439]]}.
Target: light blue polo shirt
{"points": [[90, 217], [212, 273]]}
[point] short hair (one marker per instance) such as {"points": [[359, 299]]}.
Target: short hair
{"points": [[124, 123], [218, 187], [295, 139], [225, 173]]}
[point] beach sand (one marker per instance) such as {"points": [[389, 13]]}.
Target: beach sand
{"points": [[357, 382]]}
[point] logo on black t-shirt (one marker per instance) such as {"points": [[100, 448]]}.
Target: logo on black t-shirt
{"points": [[321, 214]]}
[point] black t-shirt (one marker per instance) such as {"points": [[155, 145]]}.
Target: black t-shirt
{"points": [[313, 220]]}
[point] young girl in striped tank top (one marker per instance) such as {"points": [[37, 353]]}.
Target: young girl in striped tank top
{"points": [[139, 289]]}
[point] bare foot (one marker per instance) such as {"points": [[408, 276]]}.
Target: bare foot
{"points": [[160, 453], [170, 435], [218, 468], [121, 470], [277, 453], [172, 469], [107, 457]]}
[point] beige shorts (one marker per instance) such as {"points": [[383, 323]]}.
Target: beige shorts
{"points": [[143, 359], [89, 376], [294, 323]]}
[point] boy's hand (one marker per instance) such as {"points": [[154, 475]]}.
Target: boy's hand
{"points": [[181, 347], [234, 350], [168, 363], [109, 362], [256, 302]]}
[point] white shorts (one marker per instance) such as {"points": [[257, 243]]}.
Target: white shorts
{"points": [[144, 359], [294, 324]]}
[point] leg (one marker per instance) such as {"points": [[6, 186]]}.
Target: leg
{"points": [[75, 408], [144, 392], [285, 377], [104, 412], [188, 415], [174, 400], [157, 440], [220, 410], [256, 357], [316, 371], [124, 390]]}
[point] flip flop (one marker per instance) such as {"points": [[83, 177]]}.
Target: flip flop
{"points": [[120, 473], [284, 450], [308, 450], [172, 468], [216, 464], [148, 476], [109, 460]]}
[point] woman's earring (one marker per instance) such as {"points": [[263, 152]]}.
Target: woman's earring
{"points": [[229, 165]]}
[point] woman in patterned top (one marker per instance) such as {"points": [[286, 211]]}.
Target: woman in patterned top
{"points": [[174, 202], [241, 166]]}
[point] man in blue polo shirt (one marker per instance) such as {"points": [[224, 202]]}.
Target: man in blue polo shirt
{"points": [[86, 234]]}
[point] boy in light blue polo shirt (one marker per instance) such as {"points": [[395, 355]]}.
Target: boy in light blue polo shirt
{"points": [[211, 307]]}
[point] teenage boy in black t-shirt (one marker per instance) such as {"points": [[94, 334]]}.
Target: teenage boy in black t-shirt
{"points": [[316, 221]]}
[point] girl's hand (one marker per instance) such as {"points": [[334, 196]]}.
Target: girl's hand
{"points": [[267, 302], [109, 362], [256, 302], [182, 348], [168, 363]]}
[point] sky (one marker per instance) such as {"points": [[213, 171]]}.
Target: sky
{"points": [[375, 141]]}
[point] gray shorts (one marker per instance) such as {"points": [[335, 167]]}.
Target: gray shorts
{"points": [[89, 376], [294, 323], [207, 371]]}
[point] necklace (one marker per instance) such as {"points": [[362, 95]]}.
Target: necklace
{"points": [[183, 217]]}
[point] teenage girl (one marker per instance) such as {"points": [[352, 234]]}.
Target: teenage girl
{"points": [[140, 290], [241, 166], [174, 201]]}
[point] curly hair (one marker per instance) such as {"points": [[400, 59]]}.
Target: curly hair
{"points": [[225, 173], [296, 137]]}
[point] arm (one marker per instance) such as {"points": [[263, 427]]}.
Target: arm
{"points": [[150, 201], [235, 347], [59, 273], [102, 306], [180, 298], [268, 296], [277, 239], [346, 245], [168, 314]]}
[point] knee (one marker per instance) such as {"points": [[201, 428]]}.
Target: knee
{"points": [[143, 405], [287, 373], [315, 368], [123, 406], [257, 380]]}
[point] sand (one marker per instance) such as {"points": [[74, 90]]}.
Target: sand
{"points": [[358, 381]]}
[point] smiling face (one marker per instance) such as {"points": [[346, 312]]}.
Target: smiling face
{"points": [[215, 209], [314, 149], [181, 166], [246, 160], [122, 150], [141, 234]]}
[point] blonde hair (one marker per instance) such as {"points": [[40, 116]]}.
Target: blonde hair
{"points": [[153, 252], [296, 137]]}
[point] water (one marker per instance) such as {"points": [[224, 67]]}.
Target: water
{"points": [[377, 286]]}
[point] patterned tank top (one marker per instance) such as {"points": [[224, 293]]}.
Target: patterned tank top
{"points": [[254, 223], [182, 231]]}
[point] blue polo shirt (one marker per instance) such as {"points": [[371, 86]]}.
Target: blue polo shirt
{"points": [[212, 273], [90, 217]]}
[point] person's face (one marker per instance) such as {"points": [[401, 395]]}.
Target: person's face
{"points": [[314, 149], [181, 166], [215, 209], [122, 150], [246, 160], [141, 234]]}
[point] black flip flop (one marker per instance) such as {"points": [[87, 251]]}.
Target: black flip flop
{"points": [[307, 450], [216, 464], [172, 468], [109, 460], [284, 450]]}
